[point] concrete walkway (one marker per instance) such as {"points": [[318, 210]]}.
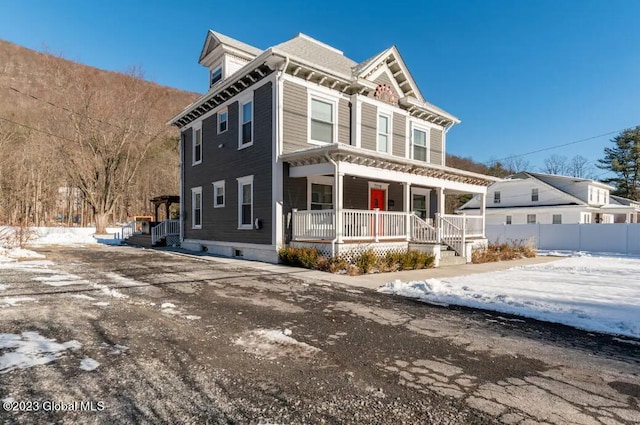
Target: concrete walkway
{"points": [[375, 280]]}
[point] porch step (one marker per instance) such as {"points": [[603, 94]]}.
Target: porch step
{"points": [[139, 240], [451, 260]]}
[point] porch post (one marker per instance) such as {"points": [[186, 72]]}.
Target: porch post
{"points": [[338, 201], [441, 200], [483, 210], [167, 205], [406, 198]]}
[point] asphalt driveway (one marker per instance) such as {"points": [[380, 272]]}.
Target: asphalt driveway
{"points": [[122, 335]]}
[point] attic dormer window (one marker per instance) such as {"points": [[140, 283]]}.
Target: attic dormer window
{"points": [[216, 75]]}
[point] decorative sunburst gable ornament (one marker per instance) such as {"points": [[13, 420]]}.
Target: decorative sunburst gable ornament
{"points": [[384, 93]]}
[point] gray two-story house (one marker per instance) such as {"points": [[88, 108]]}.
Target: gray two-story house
{"points": [[298, 144]]}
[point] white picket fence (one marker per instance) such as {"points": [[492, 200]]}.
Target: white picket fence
{"points": [[621, 238]]}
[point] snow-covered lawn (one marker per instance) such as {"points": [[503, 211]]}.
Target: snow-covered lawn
{"points": [[597, 293]]}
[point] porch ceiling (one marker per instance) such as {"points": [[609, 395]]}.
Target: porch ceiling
{"points": [[339, 152]]}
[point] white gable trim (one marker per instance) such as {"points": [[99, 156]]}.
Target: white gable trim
{"points": [[385, 70]]}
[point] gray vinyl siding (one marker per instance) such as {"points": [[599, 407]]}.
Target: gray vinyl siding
{"points": [[221, 160], [356, 194], [187, 136], [436, 156], [294, 196], [294, 116], [344, 122], [369, 123], [399, 135]]}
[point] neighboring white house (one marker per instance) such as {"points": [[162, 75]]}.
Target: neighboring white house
{"points": [[529, 198]]}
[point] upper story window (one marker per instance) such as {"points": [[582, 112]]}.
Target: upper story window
{"points": [[223, 117], [322, 121], [534, 195], [496, 197], [384, 133], [197, 144], [216, 75], [419, 144], [246, 124]]}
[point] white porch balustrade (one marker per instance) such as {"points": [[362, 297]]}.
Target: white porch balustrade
{"points": [[375, 225]]}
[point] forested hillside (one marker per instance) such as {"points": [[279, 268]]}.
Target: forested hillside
{"points": [[81, 144]]}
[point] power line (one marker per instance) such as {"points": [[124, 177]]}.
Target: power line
{"points": [[71, 111], [586, 139], [37, 129]]}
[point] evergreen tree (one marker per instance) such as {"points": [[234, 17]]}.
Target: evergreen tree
{"points": [[624, 161]]}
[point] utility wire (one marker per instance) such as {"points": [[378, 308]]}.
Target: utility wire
{"points": [[586, 139]]}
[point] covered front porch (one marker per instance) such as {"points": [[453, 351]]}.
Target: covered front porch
{"points": [[343, 199]]}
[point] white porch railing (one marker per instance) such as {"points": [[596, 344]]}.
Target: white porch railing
{"points": [[316, 224], [164, 229], [422, 231], [451, 231], [128, 229], [374, 225]]}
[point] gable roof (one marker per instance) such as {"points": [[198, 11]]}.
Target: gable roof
{"points": [[316, 53], [392, 58], [559, 181], [214, 39]]}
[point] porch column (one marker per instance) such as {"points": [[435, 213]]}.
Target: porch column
{"points": [[167, 205], [337, 202], [441, 200], [483, 209], [406, 198], [156, 212]]}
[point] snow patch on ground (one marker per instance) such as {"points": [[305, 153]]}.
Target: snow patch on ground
{"points": [[31, 349], [88, 364], [82, 297], [170, 308], [273, 343], [60, 280], [14, 301], [3, 287], [67, 239], [588, 292]]}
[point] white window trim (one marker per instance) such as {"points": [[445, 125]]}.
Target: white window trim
{"points": [[422, 192], [196, 126], [242, 181], [243, 100], [378, 186], [535, 218], [224, 110], [427, 130], [212, 70], [325, 180], [499, 198], [216, 185], [194, 191], [334, 101], [535, 192], [389, 116]]}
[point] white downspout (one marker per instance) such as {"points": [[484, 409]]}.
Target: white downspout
{"points": [[277, 168]]}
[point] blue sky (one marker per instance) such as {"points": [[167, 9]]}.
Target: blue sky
{"points": [[521, 75]]}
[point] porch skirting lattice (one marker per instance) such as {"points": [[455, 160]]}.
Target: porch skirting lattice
{"points": [[351, 251]]}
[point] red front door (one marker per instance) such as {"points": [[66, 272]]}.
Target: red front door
{"points": [[377, 199]]}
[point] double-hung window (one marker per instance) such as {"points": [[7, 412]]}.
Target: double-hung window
{"points": [[197, 144], [216, 75], [534, 195], [419, 142], [245, 202], [223, 118], [196, 208], [531, 219], [496, 197], [557, 219], [218, 194], [321, 196], [246, 124], [322, 120], [384, 133]]}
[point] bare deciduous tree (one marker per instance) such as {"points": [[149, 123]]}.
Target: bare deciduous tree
{"points": [[555, 164]]}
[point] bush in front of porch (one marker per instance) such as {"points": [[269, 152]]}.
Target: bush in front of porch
{"points": [[366, 262], [502, 251]]}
